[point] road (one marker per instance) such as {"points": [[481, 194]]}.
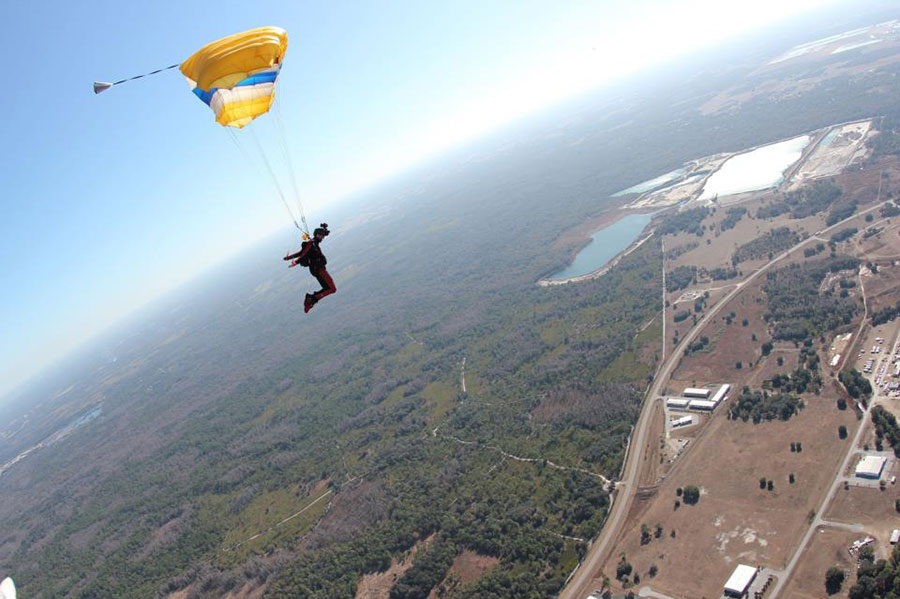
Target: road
{"points": [[818, 521], [580, 583]]}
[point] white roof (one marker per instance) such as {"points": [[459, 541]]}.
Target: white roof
{"points": [[740, 579], [695, 391], [895, 536], [677, 401], [702, 404], [870, 465], [683, 419], [7, 589], [720, 392]]}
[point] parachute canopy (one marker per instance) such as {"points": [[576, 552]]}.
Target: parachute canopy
{"points": [[7, 589], [235, 76]]}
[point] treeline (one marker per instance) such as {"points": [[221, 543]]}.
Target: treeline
{"points": [[856, 384], [844, 234], [680, 277], [798, 309], [804, 202], [877, 579], [429, 568], [732, 217], [886, 427], [766, 245], [889, 210], [886, 314], [839, 212], [689, 221], [720, 273], [762, 405]]}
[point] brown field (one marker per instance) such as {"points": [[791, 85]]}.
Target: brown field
{"points": [[379, 584], [828, 548], [728, 345], [467, 567], [735, 520], [653, 453], [872, 508]]}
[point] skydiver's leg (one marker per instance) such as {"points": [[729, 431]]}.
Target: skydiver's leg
{"points": [[327, 283]]}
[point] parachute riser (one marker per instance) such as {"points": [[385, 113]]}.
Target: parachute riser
{"points": [[102, 86]]}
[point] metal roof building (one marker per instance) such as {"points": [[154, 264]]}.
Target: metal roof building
{"points": [[701, 404], [895, 536], [740, 580], [677, 402], [870, 466], [719, 395], [694, 392], [683, 421]]}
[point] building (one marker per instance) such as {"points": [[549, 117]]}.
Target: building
{"points": [[677, 403], [702, 404], [720, 393], [740, 581], [895, 536], [683, 421], [870, 466], [700, 393], [834, 361]]}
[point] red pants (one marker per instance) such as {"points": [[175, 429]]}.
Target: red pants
{"points": [[325, 281]]}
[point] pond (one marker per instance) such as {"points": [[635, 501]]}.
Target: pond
{"points": [[758, 169], [605, 244]]}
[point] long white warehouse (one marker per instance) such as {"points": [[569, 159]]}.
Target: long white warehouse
{"points": [[693, 392], [677, 402], [720, 393], [702, 404]]}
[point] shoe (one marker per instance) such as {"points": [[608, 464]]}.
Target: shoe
{"points": [[308, 303]]}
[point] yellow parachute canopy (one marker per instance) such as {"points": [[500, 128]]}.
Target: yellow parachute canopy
{"points": [[235, 76]]}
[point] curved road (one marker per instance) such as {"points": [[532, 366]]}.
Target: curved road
{"points": [[580, 583]]}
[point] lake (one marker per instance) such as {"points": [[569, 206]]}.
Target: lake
{"points": [[605, 245], [758, 169], [652, 183]]}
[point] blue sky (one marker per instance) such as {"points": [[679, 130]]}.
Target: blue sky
{"points": [[112, 200]]}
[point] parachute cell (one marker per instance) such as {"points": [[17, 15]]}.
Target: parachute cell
{"points": [[7, 589], [235, 76]]}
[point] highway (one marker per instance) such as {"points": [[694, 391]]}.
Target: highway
{"points": [[581, 583]]}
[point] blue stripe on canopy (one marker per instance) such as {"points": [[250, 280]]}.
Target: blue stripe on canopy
{"points": [[265, 77], [205, 96]]}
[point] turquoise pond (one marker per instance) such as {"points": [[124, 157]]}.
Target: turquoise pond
{"points": [[605, 245]]}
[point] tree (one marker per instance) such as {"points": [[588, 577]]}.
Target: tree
{"points": [[770, 485], [645, 534], [652, 571], [762, 483], [841, 403], [834, 578], [691, 495], [842, 431], [791, 478], [623, 569]]}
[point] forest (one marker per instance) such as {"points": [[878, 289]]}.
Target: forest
{"points": [[795, 305]]}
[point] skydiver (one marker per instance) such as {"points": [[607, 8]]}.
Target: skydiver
{"points": [[311, 256]]}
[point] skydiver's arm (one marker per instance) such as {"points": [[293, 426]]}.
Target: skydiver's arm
{"points": [[301, 253]]}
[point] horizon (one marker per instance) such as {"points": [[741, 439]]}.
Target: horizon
{"points": [[475, 119]]}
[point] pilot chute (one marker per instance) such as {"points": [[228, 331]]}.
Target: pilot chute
{"points": [[7, 589]]}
